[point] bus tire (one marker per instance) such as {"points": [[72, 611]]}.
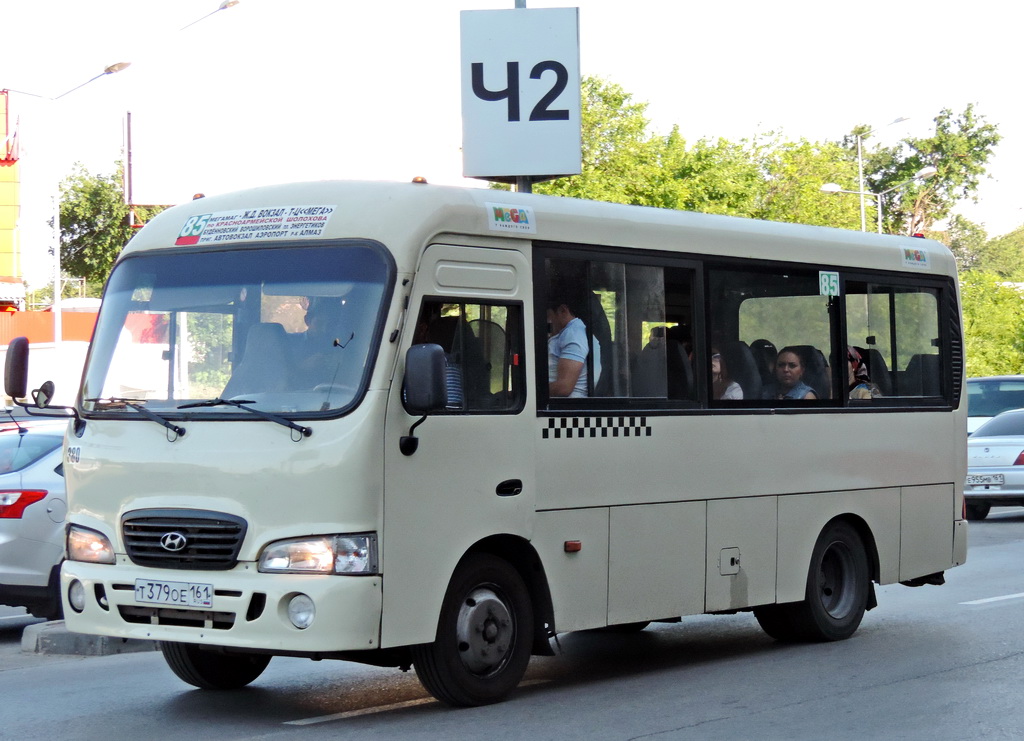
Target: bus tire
{"points": [[838, 586], [484, 635], [978, 511], [212, 670]]}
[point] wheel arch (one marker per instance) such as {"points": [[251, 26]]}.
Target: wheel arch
{"points": [[520, 554], [867, 537]]}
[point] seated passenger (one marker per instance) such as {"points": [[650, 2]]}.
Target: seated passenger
{"points": [[789, 374], [722, 385], [860, 383], [568, 348]]}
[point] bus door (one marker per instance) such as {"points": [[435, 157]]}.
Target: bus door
{"points": [[472, 474]]}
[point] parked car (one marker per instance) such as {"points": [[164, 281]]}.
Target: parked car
{"points": [[32, 510], [990, 395], [995, 465]]}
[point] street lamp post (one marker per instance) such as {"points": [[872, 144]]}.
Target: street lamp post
{"points": [[923, 174], [860, 169], [58, 324]]}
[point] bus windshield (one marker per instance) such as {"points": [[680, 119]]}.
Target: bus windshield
{"points": [[285, 330]]}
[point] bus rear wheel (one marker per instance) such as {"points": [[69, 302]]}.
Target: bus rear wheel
{"points": [[212, 670], [483, 638], [838, 587], [978, 511]]}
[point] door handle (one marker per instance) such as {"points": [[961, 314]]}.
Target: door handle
{"points": [[509, 488]]}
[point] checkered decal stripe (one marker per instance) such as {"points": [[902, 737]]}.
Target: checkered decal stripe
{"points": [[577, 427]]}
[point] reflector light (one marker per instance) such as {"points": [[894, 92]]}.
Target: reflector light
{"points": [[573, 546]]}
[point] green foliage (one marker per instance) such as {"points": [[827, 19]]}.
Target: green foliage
{"points": [[795, 173], [960, 149], [993, 324], [1004, 255], [94, 224], [965, 239]]}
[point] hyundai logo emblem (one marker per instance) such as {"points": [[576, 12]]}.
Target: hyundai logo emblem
{"points": [[173, 542]]}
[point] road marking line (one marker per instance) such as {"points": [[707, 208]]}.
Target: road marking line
{"points": [[1019, 595], [362, 711], [383, 708]]}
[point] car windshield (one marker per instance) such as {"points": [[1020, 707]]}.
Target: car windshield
{"points": [[289, 330], [1005, 425], [989, 396], [21, 449]]}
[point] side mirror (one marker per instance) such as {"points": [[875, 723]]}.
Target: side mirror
{"points": [[425, 389], [16, 368], [43, 395]]}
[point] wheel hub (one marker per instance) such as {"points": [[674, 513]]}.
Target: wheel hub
{"points": [[485, 631]]}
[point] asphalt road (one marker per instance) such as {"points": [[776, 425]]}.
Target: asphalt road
{"points": [[931, 663]]}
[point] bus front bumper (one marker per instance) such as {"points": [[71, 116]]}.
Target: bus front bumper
{"points": [[246, 610]]}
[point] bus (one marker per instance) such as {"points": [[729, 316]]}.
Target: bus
{"points": [[318, 420]]}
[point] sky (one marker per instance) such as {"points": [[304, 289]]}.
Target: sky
{"points": [[273, 91]]}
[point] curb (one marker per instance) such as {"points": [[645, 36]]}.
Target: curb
{"points": [[55, 638]]}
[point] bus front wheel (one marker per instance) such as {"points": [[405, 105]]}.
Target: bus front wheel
{"points": [[838, 586], [483, 638], [211, 670]]}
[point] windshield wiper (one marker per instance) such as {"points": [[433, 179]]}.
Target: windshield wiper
{"points": [[137, 405], [240, 404]]}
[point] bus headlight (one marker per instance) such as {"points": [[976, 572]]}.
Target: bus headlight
{"points": [[88, 545], [325, 554]]}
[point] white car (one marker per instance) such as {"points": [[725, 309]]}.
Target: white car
{"points": [[995, 465], [990, 395], [32, 510]]}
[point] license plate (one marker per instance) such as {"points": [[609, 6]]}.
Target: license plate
{"points": [[985, 479], [177, 593]]}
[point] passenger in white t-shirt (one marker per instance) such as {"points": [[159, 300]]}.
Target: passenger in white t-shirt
{"points": [[567, 353]]}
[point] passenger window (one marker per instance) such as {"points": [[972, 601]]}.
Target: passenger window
{"points": [[772, 335], [482, 348], [896, 331], [626, 329]]}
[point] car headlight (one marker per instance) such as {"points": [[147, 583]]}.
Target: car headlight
{"points": [[88, 545], [325, 554]]}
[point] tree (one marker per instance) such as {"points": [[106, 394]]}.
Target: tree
{"points": [[94, 224], [959, 149], [965, 239], [795, 172], [620, 159], [1004, 255], [993, 324]]}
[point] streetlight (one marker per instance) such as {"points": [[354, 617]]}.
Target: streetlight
{"points": [[860, 166], [58, 325], [223, 6], [923, 174]]}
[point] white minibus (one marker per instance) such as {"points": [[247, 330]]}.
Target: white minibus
{"points": [[328, 420]]}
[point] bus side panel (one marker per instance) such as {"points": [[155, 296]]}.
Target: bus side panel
{"points": [[926, 543], [578, 581], [802, 517], [655, 564], [741, 552]]}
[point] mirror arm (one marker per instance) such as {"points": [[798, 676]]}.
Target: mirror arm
{"points": [[409, 443]]}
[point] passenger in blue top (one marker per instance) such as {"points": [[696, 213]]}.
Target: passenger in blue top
{"points": [[789, 374], [567, 352]]}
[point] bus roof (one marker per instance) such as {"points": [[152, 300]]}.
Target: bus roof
{"points": [[406, 216]]}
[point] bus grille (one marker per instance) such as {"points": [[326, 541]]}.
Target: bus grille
{"points": [[183, 539]]}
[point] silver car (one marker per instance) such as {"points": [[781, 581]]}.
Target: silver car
{"points": [[995, 465], [32, 510]]}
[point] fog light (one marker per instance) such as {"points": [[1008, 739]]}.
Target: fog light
{"points": [[301, 611], [76, 596]]}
